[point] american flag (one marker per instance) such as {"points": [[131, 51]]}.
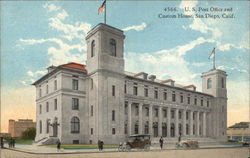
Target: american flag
{"points": [[102, 7]]}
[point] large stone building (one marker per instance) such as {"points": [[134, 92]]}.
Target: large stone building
{"points": [[16, 128], [100, 101]]}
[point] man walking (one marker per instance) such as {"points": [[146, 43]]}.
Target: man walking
{"points": [[58, 145], [161, 142]]}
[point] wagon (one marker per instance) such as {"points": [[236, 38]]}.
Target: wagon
{"points": [[188, 144], [140, 141]]}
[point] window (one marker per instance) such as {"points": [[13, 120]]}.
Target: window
{"points": [[193, 116], [126, 108], [55, 104], [201, 102], [173, 96], [47, 106], [113, 90], [47, 89], [195, 101], [91, 83], [47, 127], [209, 83], [180, 114], [40, 126], [113, 115], [75, 141], [91, 110], [222, 83], [93, 48], [136, 110], [40, 109], [146, 130], [188, 100], [156, 112], [145, 92], [147, 111], [55, 85], [40, 92], [165, 113], [125, 88], [135, 90], [75, 104], [125, 128], [156, 94], [172, 114], [75, 84], [181, 99], [207, 103], [187, 116], [165, 95], [136, 129], [91, 131], [113, 131], [112, 43], [75, 125]]}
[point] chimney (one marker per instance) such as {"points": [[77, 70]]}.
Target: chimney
{"points": [[169, 82], [51, 68], [152, 77]]}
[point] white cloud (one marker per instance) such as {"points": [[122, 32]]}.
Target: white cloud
{"points": [[136, 27], [51, 7]]}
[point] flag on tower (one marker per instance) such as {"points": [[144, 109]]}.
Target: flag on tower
{"points": [[212, 54], [102, 7]]}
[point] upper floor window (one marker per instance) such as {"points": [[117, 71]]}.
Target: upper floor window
{"points": [[113, 115], [40, 109], [91, 110], [113, 131], [113, 90], [125, 88], [47, 106], [181, 98], [172, 114], [222, 83], [75, 84], [165, 95], [156, 94], [47, 89], [93, 48], [207, 103], [136, 110], [135, 90], [40, 92], [55, 85], [112, 44], [165, 113], [145, 92], [209, 83], [188, 100], [75, 125], [173, 96], [156, 112], [55, 104], [91, 83], [201, 102], [75, 103], [147, 111], [195, 101]]}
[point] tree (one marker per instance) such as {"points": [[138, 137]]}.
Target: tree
{"points": [[29, 133]]}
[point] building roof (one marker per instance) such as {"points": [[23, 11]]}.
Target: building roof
{"points": [[240, 125], [74, 65]]}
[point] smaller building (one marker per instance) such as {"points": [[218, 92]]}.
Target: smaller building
{"points": [[16, 128], [239, 131]]}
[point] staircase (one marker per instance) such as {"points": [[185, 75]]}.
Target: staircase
{"points": [[47, 141]]}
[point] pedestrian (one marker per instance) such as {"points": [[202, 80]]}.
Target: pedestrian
{"points": [[13, 143], [102, 143], [58, 145], [99, 145], [161, 142], [179, 138], [9, 142], [2, 144]]}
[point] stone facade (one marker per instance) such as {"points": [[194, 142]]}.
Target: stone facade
{"points": [[113, 104]]}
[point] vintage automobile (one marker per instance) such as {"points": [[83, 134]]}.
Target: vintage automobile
{"points": [[188, 144], [140, 141]]}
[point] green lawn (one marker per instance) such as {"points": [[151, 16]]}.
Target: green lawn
{"points": [[21, 141], [82, 146]]}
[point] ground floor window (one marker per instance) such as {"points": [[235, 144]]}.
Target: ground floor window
{"points": [[172, 130], [164, 130], [75, 125], [75, 141]]}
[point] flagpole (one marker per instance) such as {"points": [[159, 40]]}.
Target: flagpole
{"points": [[105, 12], [214, 58]]}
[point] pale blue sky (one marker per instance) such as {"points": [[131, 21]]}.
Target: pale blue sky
{"points": [[35, 35]]}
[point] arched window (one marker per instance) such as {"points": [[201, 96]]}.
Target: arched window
{"points": [[93, 48], [112, 44], [75, 125], [222, 83], [40, 126], [209, 83]]}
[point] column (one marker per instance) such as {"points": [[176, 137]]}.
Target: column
{"points": [[198, 123], [129, 118], [176, 122], [150, 120], [140, 118], [184, 123], [204, 124], [191, 123], [168, 121], [160, 122]]}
